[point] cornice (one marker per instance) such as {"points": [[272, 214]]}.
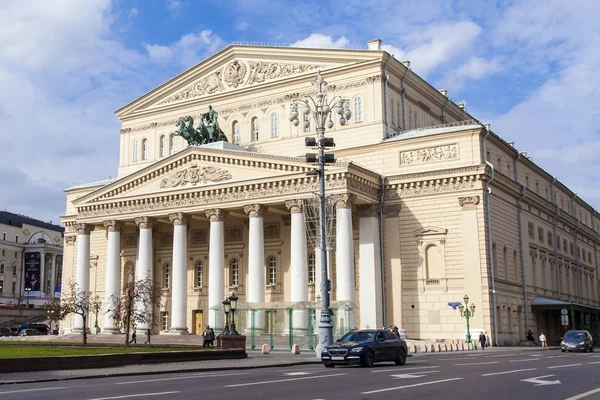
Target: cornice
{"points": [[462, 171], [433, 186]]}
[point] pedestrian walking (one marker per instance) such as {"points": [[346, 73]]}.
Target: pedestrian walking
{"points": [[133, 338], [206, 337], [148, 335], [482, 340], [543, 341], [212, 337]]}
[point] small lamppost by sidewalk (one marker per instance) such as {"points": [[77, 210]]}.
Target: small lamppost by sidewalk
{"points": [[233, 299], [467, 314], [97, 303], [227, 306], [27, 290]]}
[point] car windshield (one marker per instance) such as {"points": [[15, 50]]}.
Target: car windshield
{"points": [[574, 335], [358, 337]]}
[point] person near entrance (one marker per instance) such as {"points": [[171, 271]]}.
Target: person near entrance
{"points": [[208, 337], [148, 335], [543, 340], [482, 340]]}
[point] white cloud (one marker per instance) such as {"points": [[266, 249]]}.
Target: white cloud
{"points": [[189, 50], [477, 67], [158, 53], [317, 40]]}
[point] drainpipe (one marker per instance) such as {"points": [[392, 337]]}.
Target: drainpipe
{"points": [[489, 232], [520, 215], [381, 249], [556, 244], [404, 99], [575, 248], [385, 95], [444, 112], [596, 264]]}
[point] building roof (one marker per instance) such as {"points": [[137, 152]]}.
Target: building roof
{"points": [[8, 218]]}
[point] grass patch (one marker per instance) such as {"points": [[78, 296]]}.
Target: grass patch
{"points": [[55, 351]]}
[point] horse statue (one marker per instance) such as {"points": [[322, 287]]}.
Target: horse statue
{"points": [[208, 130], [185, 129]]}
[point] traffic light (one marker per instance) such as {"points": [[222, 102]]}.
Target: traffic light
{"points": [[322, 144]]}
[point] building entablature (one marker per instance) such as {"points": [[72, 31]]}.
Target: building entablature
{"points": [[433, 186]]}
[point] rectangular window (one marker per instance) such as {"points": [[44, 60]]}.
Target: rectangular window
{"points": [[589, 256], [571, 248], [1, 286], [167, 280], [16, 255], [164, 317], [3, 252], [14, 287], [199, 273], [4, 236], [530, 228], [558, 243], [578, 252], [549, 238], [16, 238], [565, 245], [541, 235]]}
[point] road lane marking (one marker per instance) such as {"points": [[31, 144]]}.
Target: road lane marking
{"points": [[403, 369], [409, 386], [283, 380], [134, 395], [298, 373], [33, 390], [585, 394], [501, 355], [564, 366], [540, 382], [594, 362], [194, 376], [526, 359], [413, 375], [481, 363], [509, 372], [455, 358]]}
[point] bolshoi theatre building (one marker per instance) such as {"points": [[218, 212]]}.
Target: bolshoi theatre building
{"points": [[429, 205]]}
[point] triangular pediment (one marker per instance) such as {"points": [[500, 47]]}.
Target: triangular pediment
{"points": [[199, 168], [430, 231], [240, 67]]}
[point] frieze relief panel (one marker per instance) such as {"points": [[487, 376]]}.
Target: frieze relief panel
{"points": [[272, 231], [430, 187], [195, 174], [165, 239], [429, 154], [199, 236], [234, 234], [129, 241]]}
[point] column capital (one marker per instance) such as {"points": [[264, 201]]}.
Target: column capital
{"points": [[113, 225], [216, 214], [295, 206], [145, 222], [70, 239], [368, 210], [179, 218], [255, 210], [468, 203], [343, 200], [84, 229], [391, 210]]}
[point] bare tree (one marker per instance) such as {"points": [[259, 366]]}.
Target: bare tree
{"points": [[75, 301], [55, 311], [127, 309]]}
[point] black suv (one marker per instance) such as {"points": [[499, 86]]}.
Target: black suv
{"points": [[577, 341], [365, 347]]}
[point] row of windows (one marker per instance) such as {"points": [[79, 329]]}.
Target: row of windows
{"points": [[3, 269], [16, 253], [234, 272], [14, 286], [4, 237], [570, 249], [164, 147]]}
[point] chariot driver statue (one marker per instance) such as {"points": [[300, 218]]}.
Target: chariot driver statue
{"points": [[208, 130]]}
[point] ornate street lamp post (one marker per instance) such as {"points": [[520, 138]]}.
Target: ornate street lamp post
{"points": [[321, 110], [97, 303], [227, 306], [467, 314], [27, 290], [233, 299]]}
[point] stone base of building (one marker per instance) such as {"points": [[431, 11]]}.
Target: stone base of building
{"points": [[114, 331], [176, 331], [233, 342]]}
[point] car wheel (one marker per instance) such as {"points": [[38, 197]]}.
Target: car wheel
{"points": [[329, 365], [401, 360], [369, 359], [592, 348], [563, 350]]}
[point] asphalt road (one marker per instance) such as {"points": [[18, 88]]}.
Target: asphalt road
{"points": [[479, 375]]}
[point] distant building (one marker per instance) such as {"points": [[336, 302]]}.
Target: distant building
{"points": [[31, 257]]}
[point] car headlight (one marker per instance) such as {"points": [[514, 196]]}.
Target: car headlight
{"points": [[581, 343], [562, 343], [356, 350], [325, 351]]}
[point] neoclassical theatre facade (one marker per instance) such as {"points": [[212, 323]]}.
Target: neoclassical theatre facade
{"points": [[430, 205]]}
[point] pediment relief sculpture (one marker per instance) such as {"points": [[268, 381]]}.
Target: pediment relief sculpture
{"points": [[195, 174], [238, 73]]}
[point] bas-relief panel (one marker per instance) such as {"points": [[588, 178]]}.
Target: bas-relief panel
{"points": [[199, 236], [429, 154]]}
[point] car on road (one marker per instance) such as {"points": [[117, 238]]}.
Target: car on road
{"points": [[577, 341], [365, 347], [30, 332], [7, 332]]}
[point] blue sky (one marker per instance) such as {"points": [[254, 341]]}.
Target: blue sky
{"points": [[530, 68]]}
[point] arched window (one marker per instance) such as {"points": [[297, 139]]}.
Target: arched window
{"points": [[14, 270], [433, 261], [358, 111], [144, 149], [236, 132], [274, 125], [254, 129], [495, 260], [199, 274], [415, 118], [398, 115], [504, 262], [393, 112], [410, 120], [135, 150], [307, 122], [163, 146], [311, 268], [234, 272], [167, 276], [172, 143], [515, 266], [272, 263], [2, 268]]}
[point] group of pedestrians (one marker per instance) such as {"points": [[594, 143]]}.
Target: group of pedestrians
{"points": [[134, 337], [209, 337]]}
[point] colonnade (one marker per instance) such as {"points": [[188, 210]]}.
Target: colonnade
{"points": [[256, 279]]}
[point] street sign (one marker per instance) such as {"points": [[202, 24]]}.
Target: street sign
{"points": [[564, 311], [564, 319], [539, 382]]}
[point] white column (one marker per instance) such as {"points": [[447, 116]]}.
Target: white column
{"points": [[54, 268], [344, 260], [298, 262], [216, 266], [179, 294], [113, 273], [42, 273], [256, 261], [371, 303], [82, 272], [143, 269]]}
